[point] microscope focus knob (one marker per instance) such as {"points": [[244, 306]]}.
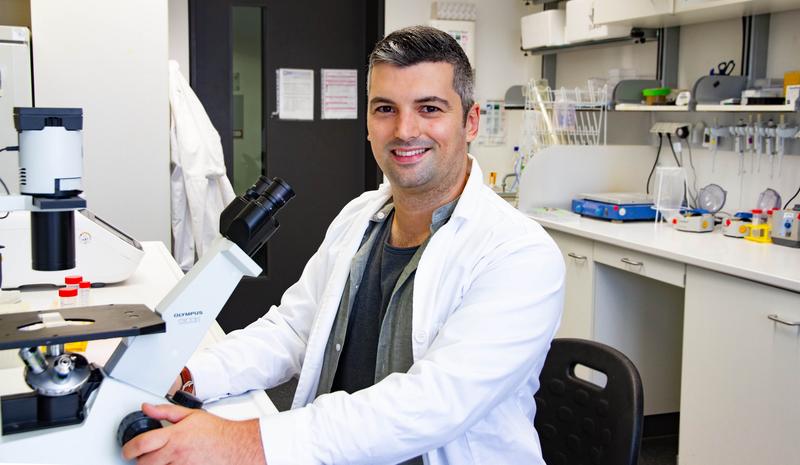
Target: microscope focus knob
{"points": [[134, 424]]}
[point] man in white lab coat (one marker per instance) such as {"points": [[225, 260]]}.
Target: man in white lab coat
{"points": [[418, 329]]}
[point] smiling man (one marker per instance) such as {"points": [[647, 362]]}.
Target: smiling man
{"points": [[420, 326]]}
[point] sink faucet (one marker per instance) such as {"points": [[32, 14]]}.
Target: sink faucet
{"points": [[505, 179]]}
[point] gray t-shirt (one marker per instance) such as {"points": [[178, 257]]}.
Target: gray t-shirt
{"points": [[356, 369]]}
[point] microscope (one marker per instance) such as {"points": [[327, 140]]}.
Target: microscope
{"points": [[79, 412], [50, 171]]}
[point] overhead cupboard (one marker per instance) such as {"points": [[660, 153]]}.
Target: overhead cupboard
{"points": [[661, 13]]}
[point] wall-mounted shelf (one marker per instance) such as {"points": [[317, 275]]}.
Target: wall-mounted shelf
{"points": [[747, 108], [643, 107], [708, 91], [636, 36], [707, 108]]}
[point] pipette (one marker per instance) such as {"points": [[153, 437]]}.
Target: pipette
{"points": [[739, 133], [758, 141], [711, 138], [769, 144], [750, 143]]}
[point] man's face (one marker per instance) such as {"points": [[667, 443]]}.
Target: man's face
{"points": [[415, 123]]}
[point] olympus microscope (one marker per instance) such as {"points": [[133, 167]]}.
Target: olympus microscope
{"points": [[79, 412]]}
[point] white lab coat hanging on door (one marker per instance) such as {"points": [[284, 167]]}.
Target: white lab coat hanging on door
{"points": [[199, 185]]}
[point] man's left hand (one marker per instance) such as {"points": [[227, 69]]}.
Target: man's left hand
{"points": [[195, 436]]}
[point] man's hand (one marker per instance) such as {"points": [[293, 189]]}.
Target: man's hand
{"points": [[195, 437]]}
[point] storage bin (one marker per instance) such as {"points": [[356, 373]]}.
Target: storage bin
{"points": [[545, 29], [580, 27]]}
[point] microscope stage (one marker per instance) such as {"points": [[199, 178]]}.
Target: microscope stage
{"points": [[26, 329]]}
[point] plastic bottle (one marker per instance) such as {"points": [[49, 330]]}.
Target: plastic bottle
{"points": [[493, 181], [73, 281], [67, 297], [83, 293]]}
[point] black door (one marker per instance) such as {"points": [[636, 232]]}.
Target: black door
{"points": [[327, 162]]}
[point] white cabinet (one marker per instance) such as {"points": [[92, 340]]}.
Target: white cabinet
{"points": [[741, 373], [635, 304], [641, 263], [664, 13], [577, 319], [694, 5], [615, 11]]}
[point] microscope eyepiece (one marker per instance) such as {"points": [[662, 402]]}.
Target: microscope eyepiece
{"points": [[257, 189], [249, 222], [276, 195]]}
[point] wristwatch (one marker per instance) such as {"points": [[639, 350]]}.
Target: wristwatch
{"points": [[187, 383]]}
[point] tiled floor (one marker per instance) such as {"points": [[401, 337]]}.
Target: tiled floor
{"points": [[661, 450]]}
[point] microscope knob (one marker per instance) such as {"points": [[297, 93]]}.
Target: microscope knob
{"points": [[134, 424]]}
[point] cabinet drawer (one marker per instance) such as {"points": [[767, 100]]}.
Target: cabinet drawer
{"points": [[641, 263], [574, 249]]}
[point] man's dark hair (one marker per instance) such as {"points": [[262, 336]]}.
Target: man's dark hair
{"points": [[423, 44]]}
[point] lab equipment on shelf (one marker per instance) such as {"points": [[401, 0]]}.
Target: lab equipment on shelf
{"points": [[575, 116], [656, 96]]}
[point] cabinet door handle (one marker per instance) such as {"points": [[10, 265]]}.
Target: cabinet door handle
{"points": [[576, 256], [780, 320], [628, 261]]}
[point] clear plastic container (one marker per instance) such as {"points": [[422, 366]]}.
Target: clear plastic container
{"points": [[73, 281], [84, 289], [67, 297], [669, 190]]}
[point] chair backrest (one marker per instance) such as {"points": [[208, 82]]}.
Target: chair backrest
{"points": [[580, 422]]}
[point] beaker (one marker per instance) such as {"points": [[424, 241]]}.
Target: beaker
{"points": [[669, 191]]}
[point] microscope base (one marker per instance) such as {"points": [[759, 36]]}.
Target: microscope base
{"points": [[31, 411], [68, 444]]}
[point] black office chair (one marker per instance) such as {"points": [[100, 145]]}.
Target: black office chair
{"points": [[581, 423]]}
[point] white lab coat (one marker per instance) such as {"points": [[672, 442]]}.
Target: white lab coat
{"points": [[200, 188], [488, 295]]}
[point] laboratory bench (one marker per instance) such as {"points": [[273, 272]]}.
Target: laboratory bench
{"points": [[156, 275], [711, 322]]}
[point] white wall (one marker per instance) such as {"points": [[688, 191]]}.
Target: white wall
{"points": [[784, 43], [499, 62], [178, 13], [703, 46], [110, 58], [574, 68]]}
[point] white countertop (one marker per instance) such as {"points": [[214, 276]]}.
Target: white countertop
{"points": [[765, 263]]}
